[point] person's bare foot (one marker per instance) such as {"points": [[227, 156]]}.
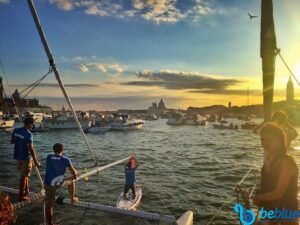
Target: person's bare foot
{"points": [[74, 200]]}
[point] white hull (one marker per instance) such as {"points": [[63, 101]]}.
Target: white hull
{"points": [[64, 122], [130, 204], [95, 130], [6, 124], [64, 125], [128, 125]]}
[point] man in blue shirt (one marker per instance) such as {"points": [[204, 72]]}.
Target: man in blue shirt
{"points": [[130, 168], [56, 165], [25, 155]]}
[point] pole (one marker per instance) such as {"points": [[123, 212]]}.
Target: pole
{"points": [[54, 69], [267, 53]]}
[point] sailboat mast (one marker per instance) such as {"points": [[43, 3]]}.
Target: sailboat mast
{"points": [[54, 69], [267, 52]]}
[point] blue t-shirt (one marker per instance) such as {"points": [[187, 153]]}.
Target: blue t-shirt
{"points": [[129, 175], [22, 138], [55, 168]]}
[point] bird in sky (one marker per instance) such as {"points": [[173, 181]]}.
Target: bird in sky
{"points": [[251, 17]]}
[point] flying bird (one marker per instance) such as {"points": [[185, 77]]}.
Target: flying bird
{"points": [[251, 17]]}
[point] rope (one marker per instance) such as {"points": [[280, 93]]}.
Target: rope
{"points": [[286, 65], [35, 84], [82, 218], [220, 208]]}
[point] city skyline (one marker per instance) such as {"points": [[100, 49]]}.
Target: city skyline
{"points": [[117, 54]]}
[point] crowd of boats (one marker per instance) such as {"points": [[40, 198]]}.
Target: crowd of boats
{"points": [[100, 123]]}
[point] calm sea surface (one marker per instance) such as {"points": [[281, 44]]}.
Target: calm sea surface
{"points": [[182, 168]]}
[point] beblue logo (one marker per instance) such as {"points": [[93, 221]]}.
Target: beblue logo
{"points": [[247, 217]]}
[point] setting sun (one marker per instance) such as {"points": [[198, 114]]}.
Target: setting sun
{"points": [[297, 70]]}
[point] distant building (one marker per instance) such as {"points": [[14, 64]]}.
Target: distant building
{"points": [[229, 104], [158, 110], [290, 92], [23, 104]]}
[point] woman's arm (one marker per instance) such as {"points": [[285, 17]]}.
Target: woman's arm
{"points": [[288, 169]]}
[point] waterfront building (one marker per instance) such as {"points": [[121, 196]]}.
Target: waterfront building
{"points": [[23, 104], [157, 109]]}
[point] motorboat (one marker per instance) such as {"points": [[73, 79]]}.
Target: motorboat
{"points": [[123, 123], [100, 125], [65, 122], [151, 117], [194, 119], [6, 123]]}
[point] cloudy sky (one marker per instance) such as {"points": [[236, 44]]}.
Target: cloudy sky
{"points": [[125, 54]]}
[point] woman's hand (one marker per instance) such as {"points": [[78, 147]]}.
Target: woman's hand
{"points": [[256, 200]]}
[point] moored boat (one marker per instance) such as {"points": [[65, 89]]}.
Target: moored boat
{"points": [[64, 122], [6, 123], [124, 123]]}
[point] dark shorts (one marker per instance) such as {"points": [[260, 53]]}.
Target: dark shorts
{"points": [[50, 193], [127, 187], [24, 167]]}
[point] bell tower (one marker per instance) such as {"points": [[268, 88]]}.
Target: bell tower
{"points": [[290, 92]]}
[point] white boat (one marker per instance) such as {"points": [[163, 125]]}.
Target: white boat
{"points": [[96, 129], [6, 123], [38, 117], [194, 119], [64, 122], [151, 117], [123, 123], [130, 204]]}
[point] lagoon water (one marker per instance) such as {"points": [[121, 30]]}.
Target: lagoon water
{"points": [[182, 168]]}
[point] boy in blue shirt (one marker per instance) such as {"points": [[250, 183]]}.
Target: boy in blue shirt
{"points": [[25, 155], [56, 165], [130, 168]]}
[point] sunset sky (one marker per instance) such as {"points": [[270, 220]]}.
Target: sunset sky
{"points": [[126, 54]]}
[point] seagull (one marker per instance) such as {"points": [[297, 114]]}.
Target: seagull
{"points": [[251, 17]]}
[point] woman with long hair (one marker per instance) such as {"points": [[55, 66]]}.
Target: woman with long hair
{"points": [[279, 175]]}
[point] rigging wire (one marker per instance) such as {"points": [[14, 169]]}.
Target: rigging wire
{"points": [[278, 52], [32, 86], [56, 73], [13, 100]]}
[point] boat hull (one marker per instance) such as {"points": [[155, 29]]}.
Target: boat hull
{"points": [[4, 124], [95, 130], [119, 126]]}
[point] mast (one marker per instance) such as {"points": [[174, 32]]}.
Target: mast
{"points": [[54, 69], [267, 52]]}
